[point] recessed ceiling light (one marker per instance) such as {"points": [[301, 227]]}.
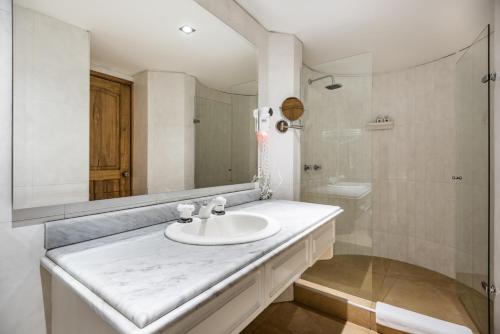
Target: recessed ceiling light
{"points": [[187, 29]]}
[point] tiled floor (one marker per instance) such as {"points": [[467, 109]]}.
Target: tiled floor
{"points": [[399, 284], [292, 318]]}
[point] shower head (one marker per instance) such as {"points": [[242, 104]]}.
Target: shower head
{"points": [[333, 86]]}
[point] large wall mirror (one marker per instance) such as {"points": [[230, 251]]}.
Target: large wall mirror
{"points": [[122, 98]]}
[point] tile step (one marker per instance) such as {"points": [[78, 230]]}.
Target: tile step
{"points": [[339, 305]]}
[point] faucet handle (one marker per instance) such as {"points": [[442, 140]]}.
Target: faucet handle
{"points": [[220, 202], [185, 211]]}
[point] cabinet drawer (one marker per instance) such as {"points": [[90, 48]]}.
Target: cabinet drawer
{"points": [[235, 306], [286, 268], [321, 240]]}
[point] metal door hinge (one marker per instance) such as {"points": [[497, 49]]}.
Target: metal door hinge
{"points": [[491, 289], [489, 77]]}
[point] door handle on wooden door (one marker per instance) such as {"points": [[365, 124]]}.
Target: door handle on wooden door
{"points": [[126, 174]]}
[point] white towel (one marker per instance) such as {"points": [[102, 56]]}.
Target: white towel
{"points": [[415, 323]]}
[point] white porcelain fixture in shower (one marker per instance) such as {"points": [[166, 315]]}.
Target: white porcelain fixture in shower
{"points": [[231, 228], [346, 189]]}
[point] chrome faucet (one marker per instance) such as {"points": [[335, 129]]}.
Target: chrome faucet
{"points": [[215, 206]]}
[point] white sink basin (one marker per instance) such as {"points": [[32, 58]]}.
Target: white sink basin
{"points": [[231, 228]]}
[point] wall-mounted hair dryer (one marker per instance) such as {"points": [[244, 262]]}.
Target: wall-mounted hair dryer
{"points": [[262, 118]]}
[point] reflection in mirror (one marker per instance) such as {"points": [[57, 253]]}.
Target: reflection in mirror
{"points": [[121, 101]]}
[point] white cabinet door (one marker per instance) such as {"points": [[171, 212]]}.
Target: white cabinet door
{"points": [[234, 308], [285, 268], [321, 241]]}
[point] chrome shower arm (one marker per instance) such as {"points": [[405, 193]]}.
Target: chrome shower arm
{"points": [[321, 78]]}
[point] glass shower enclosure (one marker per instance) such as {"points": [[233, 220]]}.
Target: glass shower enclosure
{"points": [[415, 232], [472, 107], [336, 156]]}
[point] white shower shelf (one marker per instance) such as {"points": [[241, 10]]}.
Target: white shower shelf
{"points": [[380, 126]]}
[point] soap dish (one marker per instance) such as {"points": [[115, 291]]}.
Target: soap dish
{"points": [[380, 125]]}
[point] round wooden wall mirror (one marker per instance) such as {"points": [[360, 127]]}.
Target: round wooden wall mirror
{"points": [[292, 108]]}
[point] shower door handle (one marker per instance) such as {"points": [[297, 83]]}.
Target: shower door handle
{"points": [[489, 289]]}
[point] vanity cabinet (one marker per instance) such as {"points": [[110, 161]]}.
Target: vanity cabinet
{"points": [[227, 313], [243, 302]]}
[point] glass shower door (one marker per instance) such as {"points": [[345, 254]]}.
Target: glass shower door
{"points": [[336, 167], [472, 179]]}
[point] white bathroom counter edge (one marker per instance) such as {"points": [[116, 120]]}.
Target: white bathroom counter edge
{"points": [[125, 326]]}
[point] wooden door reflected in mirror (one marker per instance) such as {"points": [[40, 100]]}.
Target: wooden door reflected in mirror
{"points": [[110, 129]]}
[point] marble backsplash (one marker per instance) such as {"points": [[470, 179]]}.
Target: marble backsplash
{"points": [[65, 232]]}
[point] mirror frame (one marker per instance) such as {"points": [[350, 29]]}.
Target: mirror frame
{"points": [[44, 214]]}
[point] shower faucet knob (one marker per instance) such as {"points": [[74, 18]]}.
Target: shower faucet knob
{"points": [[307, 167], [317, 167]]}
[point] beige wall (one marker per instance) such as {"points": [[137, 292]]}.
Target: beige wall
{"points": [[413, 194], [163, 150], [212, 137], [244, 143], [226, 147], [49, 107]]}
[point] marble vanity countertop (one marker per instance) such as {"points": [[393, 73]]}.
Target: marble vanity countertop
{"points": [[151, 281]]}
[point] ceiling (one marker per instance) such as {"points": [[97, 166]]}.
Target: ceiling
{"points": [[398, 33], [130, 36]]}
